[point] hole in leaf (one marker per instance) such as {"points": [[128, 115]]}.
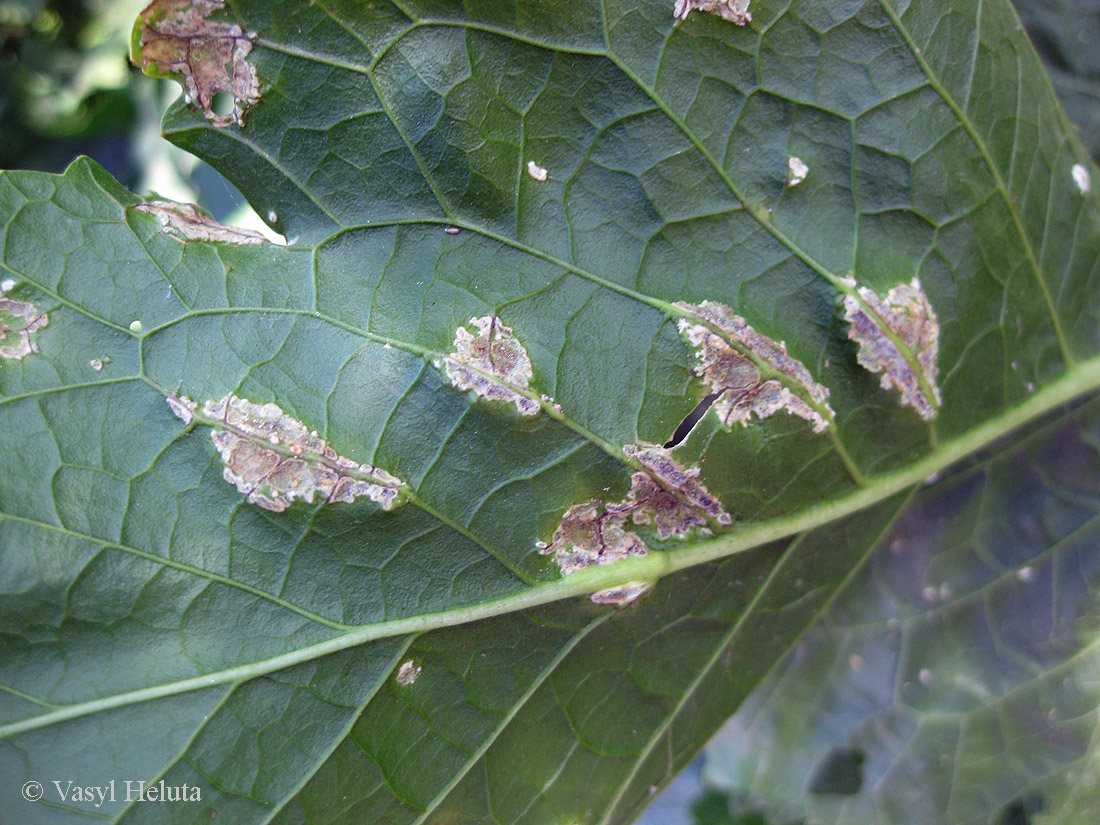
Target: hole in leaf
{"points": [[221, 104], [688, 424], [840, 773], [1020, 811]]}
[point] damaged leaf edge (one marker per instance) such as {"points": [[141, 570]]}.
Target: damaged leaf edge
{"points": [[188, 222], [242, 83]]}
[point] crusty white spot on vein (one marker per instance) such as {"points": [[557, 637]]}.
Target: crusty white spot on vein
{"points": [[735, 11], [907, 313], [408, 673], [797, 171], [536, 171], [722, 361], [492, 363], [623, 594], [275, 460]]}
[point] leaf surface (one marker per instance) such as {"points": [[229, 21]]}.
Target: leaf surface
{"points": [[154, 614]]}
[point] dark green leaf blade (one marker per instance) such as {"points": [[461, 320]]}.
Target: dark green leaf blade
{"points": [[402, 149]]}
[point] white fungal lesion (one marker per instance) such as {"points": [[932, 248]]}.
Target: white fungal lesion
{"points": [[735, 11], [275, 459], [664, 496], [879, 324], [408, 673], [19, 323], [492, 363], [175, 39], [796, 171], [1082, 178], [187, 221], [623, 594], [728, 357], [535, 171]]}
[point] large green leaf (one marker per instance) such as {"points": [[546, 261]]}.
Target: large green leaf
{"points": [[156, 624]]}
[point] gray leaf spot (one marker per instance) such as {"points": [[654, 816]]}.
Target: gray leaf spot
{"points": [[19, 322], [492, 363], [906, 314], [666, 497], [184, 220], [723, 347], [735, 11], [275, 460]]}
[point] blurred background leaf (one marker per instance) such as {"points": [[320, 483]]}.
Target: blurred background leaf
{"points": [[1066, 33]]}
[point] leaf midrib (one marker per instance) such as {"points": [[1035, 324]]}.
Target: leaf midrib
{"points": [[1084, 377]]}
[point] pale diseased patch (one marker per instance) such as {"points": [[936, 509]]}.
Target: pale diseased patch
{"points": [[1082, 178], [906, 312], [174, 38], [735, 11], [274, 460], [536, 171], [667, 497], [408, 673], [796, 171], [623, 594], [588, 535], [19, 322], [669, 474], [7, 285], [182, 407], [726, 370], [492, 363], [191, 223]]}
